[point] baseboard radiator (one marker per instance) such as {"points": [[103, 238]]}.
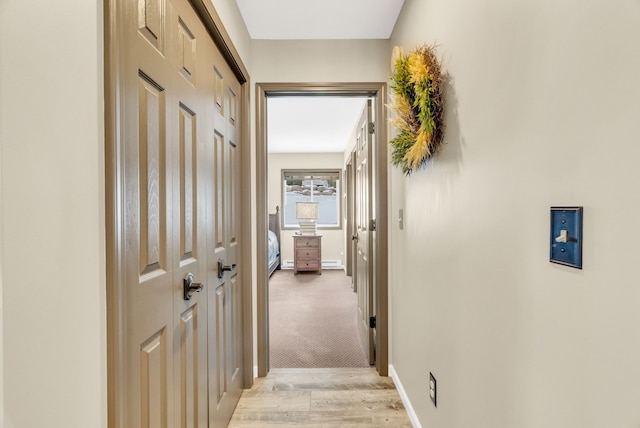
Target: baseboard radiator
{"points": [[326, 264]]}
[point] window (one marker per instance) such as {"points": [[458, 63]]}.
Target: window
{"points": [[321, 185]]}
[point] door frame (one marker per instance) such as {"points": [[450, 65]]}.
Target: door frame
{"points": [[378, 90], [115, 208], [349, 184]]}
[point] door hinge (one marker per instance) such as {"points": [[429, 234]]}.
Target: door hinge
{"points": [[372, 127], [372, 225], [372, 322]]}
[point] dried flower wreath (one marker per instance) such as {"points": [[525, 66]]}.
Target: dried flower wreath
{"points": [[418, 104]]}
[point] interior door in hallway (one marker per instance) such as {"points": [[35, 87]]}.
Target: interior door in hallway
{"points": [[165, 336], [350, 223], [171, 328], [363, 208], [223, 240]]}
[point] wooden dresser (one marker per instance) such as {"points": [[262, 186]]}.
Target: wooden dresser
{"points": [[307, 253]]}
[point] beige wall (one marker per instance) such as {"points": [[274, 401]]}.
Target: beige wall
{"points": [[542, 110], [52, 266], [1, 259], [319, 60], [332, 239], [312, 61], [52, 220], [234, 25]]}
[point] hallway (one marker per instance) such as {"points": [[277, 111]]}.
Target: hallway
{"points": [[349, 397]]}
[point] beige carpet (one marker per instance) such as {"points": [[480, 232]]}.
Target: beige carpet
{"points": [[312, 320]]}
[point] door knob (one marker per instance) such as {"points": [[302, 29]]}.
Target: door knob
{"points": [[189, 288], [354, 237], [222, 268]]}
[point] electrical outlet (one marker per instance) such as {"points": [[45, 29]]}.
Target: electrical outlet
{"points": [[432, 389]]}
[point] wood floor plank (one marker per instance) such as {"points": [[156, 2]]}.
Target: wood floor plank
{"points": [[325, 381], [331, 370], [321, 398], [277, 401], [325, 419], [352, 400]]}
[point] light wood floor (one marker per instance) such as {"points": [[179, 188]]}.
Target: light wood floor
{"points": [[345, 398]]}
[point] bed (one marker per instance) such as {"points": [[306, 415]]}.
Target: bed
{"points": [[274, 241]]}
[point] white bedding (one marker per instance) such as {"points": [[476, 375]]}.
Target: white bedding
{"points": [[274, 247]]}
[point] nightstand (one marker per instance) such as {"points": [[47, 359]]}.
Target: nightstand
{"points": [[307, 253]]}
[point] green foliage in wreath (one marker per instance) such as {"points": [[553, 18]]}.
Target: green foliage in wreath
{"points": [[418, 105]]}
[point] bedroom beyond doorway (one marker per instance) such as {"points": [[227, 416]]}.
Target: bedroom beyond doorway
{"points": [[313, 321]]}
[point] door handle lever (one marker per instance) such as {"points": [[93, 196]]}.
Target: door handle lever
{"points": [[189, 288], [222, 268]]}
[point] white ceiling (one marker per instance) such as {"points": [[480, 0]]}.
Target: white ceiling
{"points": [[326, 19], [311, 124], [316, 124]]}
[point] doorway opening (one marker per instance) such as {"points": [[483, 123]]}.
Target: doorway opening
{"points": [[312, 304], [377, 236]]}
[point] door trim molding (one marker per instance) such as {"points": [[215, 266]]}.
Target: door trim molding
{"points": [[115, 210], [213, 23], [379, 91], [116, 321]]}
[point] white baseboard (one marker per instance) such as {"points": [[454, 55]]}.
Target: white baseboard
{"points": [[332, 264], [326, 264], [405, 399]]}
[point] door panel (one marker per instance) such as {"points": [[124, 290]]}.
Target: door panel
{"points": [[363, 207], [189, 368], [150, 22], [154, 381], [186, 51], [218, 190], [189, 218], [172, 214], [188, 182], [152, 128], [225, 352], [220, 345], [351, 225], [148, 227]]}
